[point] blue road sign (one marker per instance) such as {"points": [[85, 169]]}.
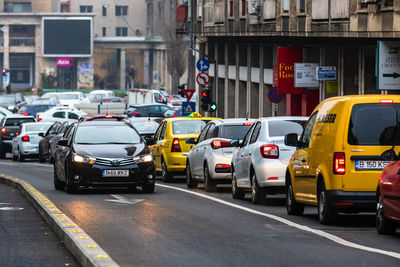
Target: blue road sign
{"points": [[273, 95], [203, 64], [326, 73], [188, 108]]}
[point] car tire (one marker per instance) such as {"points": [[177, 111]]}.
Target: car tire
{"points": [[237, 193], [21, 157], [51, 159], [189, 179], [326, 214], [258, 195], [292, 207], [41, 157], [166, 176], [209, 184], [70, 187], [2, 153], [58, 185], [383, 225], [148, 188]]}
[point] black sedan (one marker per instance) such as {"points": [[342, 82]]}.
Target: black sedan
{"points": [[103, 154]]}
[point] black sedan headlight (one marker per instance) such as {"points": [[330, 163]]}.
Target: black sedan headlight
{"points": [[143, 158], [83, 159]]}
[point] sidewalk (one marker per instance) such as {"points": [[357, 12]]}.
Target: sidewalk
{"points": [[25, 238]]}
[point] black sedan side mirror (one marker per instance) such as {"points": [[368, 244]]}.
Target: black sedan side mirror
{"points": [[190, 141], [150, 141], [41, 134], [236, 143], [291, 139], [62, 142]]}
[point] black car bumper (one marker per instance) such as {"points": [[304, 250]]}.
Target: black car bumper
{"points": [[352, 201], [92, 175]]}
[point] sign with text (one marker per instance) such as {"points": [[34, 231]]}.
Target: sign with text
{"points": [[305, 75], [326, 73], [388, 68], [287, 56], [65, 62]]}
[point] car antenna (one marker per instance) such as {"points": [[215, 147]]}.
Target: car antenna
{"points": [[247, 116]]}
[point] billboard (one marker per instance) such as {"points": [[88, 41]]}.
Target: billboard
{"points": [[388, 65], [67, 37], [286, 58]]}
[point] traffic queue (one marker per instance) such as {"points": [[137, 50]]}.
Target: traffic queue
{"points": [[342, 159]]}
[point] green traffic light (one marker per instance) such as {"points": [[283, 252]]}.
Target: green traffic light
{"points": [[213, 107]]}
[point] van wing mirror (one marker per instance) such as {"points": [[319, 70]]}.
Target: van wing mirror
{"points": [[291, 139]]}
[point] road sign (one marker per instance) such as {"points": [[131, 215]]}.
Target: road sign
{"points": [[188, 93], [188, 107], [6, 79], [273, 95], [202, 79], [326, 73], [388, 68], [304, 75], [203, 64]]}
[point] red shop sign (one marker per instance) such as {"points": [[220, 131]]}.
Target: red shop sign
{"points": [[287, 56]]}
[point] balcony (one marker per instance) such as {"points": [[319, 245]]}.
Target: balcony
{"points": [[21, 41]]}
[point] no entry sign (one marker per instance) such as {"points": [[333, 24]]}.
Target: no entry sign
{"points": [[273, 95]]}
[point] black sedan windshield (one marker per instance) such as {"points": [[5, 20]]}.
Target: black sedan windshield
{"points": [[90, 135]]}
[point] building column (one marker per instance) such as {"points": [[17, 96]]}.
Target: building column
{"points": [[38, 56], [237, 71], [322, 84], [361, 71], [340, 71], [261, 82], [248, 84], [226, 90], [6, 45], [122, 68], [216, 77]]}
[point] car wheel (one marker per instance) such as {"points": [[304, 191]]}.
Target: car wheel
{"points": [[2, 152], [70, 187], [166, 176], [51, 159], [292, 207], [326, 214], [41, 157], [237, 193], [58, 185], [383, 225], [14, 157], [258, 194], [148, 188], [21, 157], [209, 184], [189, 180]]}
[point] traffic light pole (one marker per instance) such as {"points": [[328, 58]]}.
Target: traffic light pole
{"points": [[192, 52]]}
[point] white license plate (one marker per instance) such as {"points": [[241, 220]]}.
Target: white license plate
{"points": [[115, 173], [371, 164]]}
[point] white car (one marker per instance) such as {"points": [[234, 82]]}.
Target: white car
{"points": [[209, 161], [60, 113], [259, 165], [26, 143], [102, 93], [71, 98], [5, 112], [50, 95]]}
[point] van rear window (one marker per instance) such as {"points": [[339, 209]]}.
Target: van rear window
{"points": [[374, 125]]}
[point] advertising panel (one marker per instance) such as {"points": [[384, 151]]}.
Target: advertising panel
{"points": [[287, 56]]}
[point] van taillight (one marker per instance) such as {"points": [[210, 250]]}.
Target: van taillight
{"points": [[175, 145], [339, 163], [386, 101], [220, 143], [3, 131], [269, 151], [25, 138]]}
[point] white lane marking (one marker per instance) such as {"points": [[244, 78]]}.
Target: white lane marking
{"points": [[26, 163], [11, 208], [5, 203], [290, 223], [123, 200]]}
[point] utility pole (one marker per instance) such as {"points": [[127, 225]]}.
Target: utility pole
{"points": [[192, 51]]}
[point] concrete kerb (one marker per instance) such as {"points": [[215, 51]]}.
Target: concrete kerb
{"points": [[81, 245]]}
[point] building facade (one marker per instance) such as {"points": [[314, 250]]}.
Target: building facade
{"points": [[241, 38]]}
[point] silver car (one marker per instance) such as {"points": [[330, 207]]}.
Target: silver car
{"points": [[209, 160], [26, 143], [259, 164]]}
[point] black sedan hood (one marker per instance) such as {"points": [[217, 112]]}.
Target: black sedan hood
{"points": [[111, 150]]}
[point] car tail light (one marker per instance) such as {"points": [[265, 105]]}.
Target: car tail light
{"points": [[269, 151], [175, 145], [220, 143], [25, 138], [272, 178], [248, 124], [222, 166], [25, 113], [109, 116], [135, 113], [38, 117], [387, 101], [3, 131], [339, 163]]}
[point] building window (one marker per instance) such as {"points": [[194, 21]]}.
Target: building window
{"points": [[230, 8], [17, 7], [121, 31], [104, 31], [388, 3], [104, 10], [243, 8], [64, 8], [302, 5], [285, 5], [86, 9], [121, 10]]}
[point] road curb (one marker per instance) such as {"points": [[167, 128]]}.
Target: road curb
{"points": [[81, 245]]}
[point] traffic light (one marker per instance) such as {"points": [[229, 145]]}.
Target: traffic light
{"points": [[180, 90], [213, 107], [131, 72], [205, 99], [4, 71]]}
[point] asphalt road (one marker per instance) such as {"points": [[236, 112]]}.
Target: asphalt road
{"points": [[174, 227]]}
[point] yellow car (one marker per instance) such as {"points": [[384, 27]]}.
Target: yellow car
{"points": [[170, 147], [339, 156]]}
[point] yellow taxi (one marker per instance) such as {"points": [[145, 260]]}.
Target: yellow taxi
{"points": [[170, 148], [339, 156]]}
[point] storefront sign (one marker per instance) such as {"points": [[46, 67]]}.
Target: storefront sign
{"points": [[305, 75], [388, 68], [287, 56], [326, 73], [332, 87], [65, 62]]}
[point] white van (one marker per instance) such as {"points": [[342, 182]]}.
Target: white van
{"points": [[145, 96]]}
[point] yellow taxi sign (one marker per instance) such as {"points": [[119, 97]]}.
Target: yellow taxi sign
{"points": [[195, 115]]}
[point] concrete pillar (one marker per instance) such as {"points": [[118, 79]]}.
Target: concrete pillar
{"points": [[322, 85], [216, 85], [361, 71], [237, 71], [146, 58], [38, 56], [261, 83], [248, 84], [226, 87], [122, 71], [340, 71]]}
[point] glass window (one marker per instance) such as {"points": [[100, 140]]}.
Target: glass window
{"points": [[86, 9], [234, 131], [121, 10], [104, 34], [7, 99], [374, 124], [22, 7], [68, 96], [187, 126], [145, 127], [17, 122], [73, 116], [92, 135], [158, 131], [104, 10], [282, 128], [59, 114], [53, 129], [248, 135], [302, 5], [162, 134], [37, 127], [256, 133], [203, 133], [121, 31], [305, 138], [211, 130]]}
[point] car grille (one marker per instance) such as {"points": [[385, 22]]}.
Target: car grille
{"points": [[113, 162]]}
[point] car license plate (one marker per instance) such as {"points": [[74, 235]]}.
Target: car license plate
{"points": [[371, 164], [115, 173]]}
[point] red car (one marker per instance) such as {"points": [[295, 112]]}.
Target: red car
{"points": [[388, 199]]}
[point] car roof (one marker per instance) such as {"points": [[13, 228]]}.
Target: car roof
{"points": [[281, 118], [233, 121], [146, 105], [103, 123], [18, 116], [190, 119], [37, 123]]}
